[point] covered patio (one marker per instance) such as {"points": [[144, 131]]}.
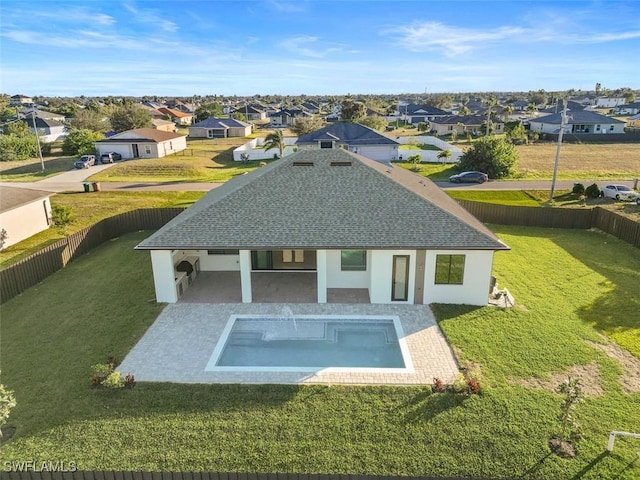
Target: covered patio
{"points": [[267, 287]]}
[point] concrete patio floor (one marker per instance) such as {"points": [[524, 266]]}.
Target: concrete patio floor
{"points": [[179, 344]]}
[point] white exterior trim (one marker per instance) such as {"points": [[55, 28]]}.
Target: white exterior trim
{"points": [[321, 274], [245, 275], [164, 276]]}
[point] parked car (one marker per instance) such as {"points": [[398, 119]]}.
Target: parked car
{"points": [[110, 157], [638, 200], [469, 177], [619, 192], [85, 161]]}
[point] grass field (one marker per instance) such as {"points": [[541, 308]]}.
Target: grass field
{"points": [[571, 287], [87, 209], [207, 160]]}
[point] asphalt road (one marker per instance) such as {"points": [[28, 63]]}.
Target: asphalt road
{"points": [[72, 181]]}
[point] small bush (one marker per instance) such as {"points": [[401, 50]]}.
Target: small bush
{"points": [[459, 384], [473, 386], [578, 189], [61, 215], [129, 381], [113, 380], [592, 191], [438, 385]]}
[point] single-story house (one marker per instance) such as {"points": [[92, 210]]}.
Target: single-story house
{"points": [[328, 221], [579, 121], [163, 125], [20, 100], [220, 128], [415, 114], [143, 143], [43, 114], [251, 113], [627, 109], [286, 116], [634, 121], [463, 124], [48, 130], [23, 213], [353, 137], [181, 118]]}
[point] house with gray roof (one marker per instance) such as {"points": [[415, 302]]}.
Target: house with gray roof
{"points": [[142, 143], [220, 128], [354, 137], [578, 122], [23, 213], [464, 123], [330, 222]]}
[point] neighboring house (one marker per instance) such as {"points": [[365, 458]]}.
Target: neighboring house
{"points": [[463, 124], [335, 222], [23, 213], [43, 114], [415, 114], [251, 113], [286, 116], [48, 130], [627, 109], [143, 143], [353, 137], [181, 118], [634, 121], [163, 125], [519, 105], [220, 128], [579, 121], [609, 102], [20, 101]]}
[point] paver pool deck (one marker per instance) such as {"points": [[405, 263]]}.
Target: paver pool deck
{"points": [[179, 344]]}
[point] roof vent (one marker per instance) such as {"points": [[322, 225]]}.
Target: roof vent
{"points": [[303, 163], [341, 163]]}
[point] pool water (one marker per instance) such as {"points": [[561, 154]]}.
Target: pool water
{"points": [[302, 342]]}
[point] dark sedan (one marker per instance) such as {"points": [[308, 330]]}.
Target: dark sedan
{"points": [[469, 177]]}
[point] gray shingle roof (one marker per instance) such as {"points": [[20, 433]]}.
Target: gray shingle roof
{"points": [[14, 197], [349, 133], [362, 205], [212, 122], [577, 117]]}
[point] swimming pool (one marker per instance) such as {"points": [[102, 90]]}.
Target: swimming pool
{"points": [[311, 343]]}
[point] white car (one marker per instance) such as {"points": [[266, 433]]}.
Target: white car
{"points": [[619, 192]]}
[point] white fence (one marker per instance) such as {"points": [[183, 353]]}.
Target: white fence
{"points": [[428, 156], [255, 151]]}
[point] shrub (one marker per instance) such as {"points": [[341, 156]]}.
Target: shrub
{"points": [[492, 155], [129, 381], [61, 215], [473, 386], [592, 191], [113, 380], [438, 385], [578, 189], [459, 384], [7, 402]]}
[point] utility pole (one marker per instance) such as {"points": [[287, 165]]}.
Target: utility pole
{"points": [[35, 128], [563, 123]]}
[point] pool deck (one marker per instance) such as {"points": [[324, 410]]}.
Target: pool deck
{"points": [[179, 344]]}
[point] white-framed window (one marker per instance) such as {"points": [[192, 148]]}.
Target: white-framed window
{"points": [[147, 150], [449, 269]]}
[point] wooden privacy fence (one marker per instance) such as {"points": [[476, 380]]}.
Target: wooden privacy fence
{"points": [[610, 222], [128, 475], [35, 268]]}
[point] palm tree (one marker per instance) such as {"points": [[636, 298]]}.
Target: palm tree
{"points": [[275, 140], [444, 155]]}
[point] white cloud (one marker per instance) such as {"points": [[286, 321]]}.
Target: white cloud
{"points": [[151, 17], [287, 7], [309, 46]]}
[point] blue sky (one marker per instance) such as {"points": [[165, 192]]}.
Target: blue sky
{"points": [[187, 47]]}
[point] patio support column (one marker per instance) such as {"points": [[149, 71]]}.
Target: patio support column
{"points": [[164, 276], [321, 272], [245, 275]]}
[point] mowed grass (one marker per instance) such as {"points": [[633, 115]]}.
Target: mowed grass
{"points": [[563, 280], [596, 161], [501, 197], [89, 208], [31, 170], [437, 172], [204, 160]]}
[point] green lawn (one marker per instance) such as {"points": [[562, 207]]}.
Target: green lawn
{"points": [[89, 208], [533, 198], [569, 285], [31, 170], [437, 172], [420, 146]]}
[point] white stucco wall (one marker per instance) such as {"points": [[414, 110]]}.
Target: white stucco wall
{"points": [[380, 153], [27, 220], [381, 275], [163, 276], [218, 263], [336, 278], [477, 276]]}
